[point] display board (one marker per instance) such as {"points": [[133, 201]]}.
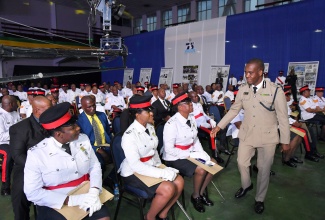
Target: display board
{"points": [[190, 74], [145, 75], [220, 71], [306, 73], [166, 76], [128, 75]]}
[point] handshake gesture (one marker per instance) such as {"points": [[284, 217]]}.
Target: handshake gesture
{"points": [[88, 202]]}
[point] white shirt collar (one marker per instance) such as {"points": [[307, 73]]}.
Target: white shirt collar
{"points": [[259, 85]]}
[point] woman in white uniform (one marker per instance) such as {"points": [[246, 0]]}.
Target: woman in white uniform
{"points": [[139, 143]]}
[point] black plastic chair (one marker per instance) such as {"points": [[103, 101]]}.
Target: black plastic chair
{"points": [[227, 103], [116, 125], [213, 110], [234, 143]]}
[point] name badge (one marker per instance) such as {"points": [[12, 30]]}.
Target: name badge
{"points": [[265, 94]]}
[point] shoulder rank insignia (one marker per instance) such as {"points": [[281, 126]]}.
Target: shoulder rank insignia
{"points": [[315, 100], [303, 102], [128, 132]]}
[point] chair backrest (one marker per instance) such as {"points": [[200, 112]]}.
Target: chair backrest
{"points": [[227, 102], [77, 101], [213, 110], [117, 151], [116, 124], [160, 135]]}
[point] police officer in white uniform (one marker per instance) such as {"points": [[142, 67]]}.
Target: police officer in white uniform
{"points": [[25, 109], [8, 117], [139, 143], [280, 80], [318, 98], [181, 142], [63, 93], [114, 101], [59, 164]]}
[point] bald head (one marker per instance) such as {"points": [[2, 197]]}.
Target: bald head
{"points": [[40, 104]]}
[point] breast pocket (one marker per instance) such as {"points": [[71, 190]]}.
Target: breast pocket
{"points": [[83, 160], [55, 173]]}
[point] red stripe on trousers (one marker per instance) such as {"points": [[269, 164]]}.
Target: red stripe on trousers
{"points": [[207, 130], [4, 165], [305, 138]]}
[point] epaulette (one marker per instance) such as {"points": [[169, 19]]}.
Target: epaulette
{"points": [[129, 131], [275, 85], [38, 146], [243, 84], [171, 120]]}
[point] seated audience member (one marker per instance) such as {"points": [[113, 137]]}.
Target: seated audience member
{"points": [[95, 125], [140, 90], [85, 92], [230, 93], [23, 135], [145, 160], [115, 101], [147, 89], [174, 93], [58, 164], [240, 81], [127, 90], [204, 123], [73, 92], [309, 110], [181, 142], [52, 99], [98, 99], [202, 98], [319, 99], [20, 93], [26, 109], [63, 93], [217, 98], [8, 117], [161, 108], [154, 92]]}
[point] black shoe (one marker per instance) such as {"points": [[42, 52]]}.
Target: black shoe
{"points": [[259, 207], [311, 158], [318, 155], [241, 192], [5, 192], [255, 168], [296, 160], [206, 201], [219, 159], [289, 163], [197, 203], [158, 218]]}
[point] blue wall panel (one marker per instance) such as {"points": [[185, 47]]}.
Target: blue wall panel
{"points": [[145, 51], [282, 35]]}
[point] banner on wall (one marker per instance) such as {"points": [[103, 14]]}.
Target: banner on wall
{"points": [[166, 76], [306, 74], [128, 75], [221, 71], [190, 74], [145, 75]]}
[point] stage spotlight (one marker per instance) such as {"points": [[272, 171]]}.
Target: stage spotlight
{"points": [[118, 11]]}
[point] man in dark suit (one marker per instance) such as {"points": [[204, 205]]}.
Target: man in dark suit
{"points": [[95, 125], [161, 108], [23, 135]]}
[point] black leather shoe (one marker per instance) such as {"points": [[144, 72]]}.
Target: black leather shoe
{"points": [[311, 158], [197, 203], [289, 163], [219, 159], [296, 160], [318, 155], [241, 192], [206, 201], [259, 207], [5, 192]]}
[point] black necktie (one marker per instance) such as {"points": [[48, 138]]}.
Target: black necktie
{"points": [[188, 123], [147, 131], [66, 147], [255, 88], [204, 100], [165, 104]]}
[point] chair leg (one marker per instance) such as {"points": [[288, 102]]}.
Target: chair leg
{"points": [[231, 152], [118, 206]]}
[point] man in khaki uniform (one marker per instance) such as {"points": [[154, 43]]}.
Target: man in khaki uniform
{"points": [[259, 129]]}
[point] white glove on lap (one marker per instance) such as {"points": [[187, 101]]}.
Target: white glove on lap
{"points": [[168, 175], [172, 169], [212, 123], [91, 201], [206, 125], [95, 207]]}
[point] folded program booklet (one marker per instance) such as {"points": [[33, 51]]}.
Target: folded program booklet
{"points": [[148, 180], [211, 169], [73, 212]]}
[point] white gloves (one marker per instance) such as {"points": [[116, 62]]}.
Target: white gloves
{"points": [[168, 174], [200, 154], [212, 123], [172, 169], [87, 201], [206, 125]]}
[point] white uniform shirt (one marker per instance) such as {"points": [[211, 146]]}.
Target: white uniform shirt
{"points": [[83, 93], [319, 101], [63, 97], [7, 119], [177, 132], [170, 97], [127, 92], [230, 94], [232, 129], [26, 108], [215, 96], [72, 95], [137, 144], [305, 103], [280, 80], [48, 164], [118, 101], [99, 101], [233, 81], [207, 96], [21, 95], [199, 115]]}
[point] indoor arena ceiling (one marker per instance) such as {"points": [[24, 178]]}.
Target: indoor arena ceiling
{"points": [[134, 7]]}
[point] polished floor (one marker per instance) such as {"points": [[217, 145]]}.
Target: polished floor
{"points": [[294, 193]]}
